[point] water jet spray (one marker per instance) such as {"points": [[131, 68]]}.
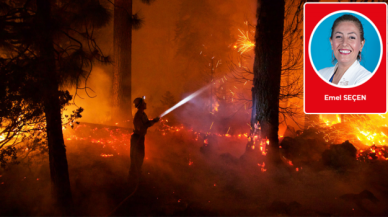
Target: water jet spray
{"points": [[183, 101]]}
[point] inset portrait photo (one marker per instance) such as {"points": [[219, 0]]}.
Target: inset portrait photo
{"points": [[345, 49], [345, 58]]}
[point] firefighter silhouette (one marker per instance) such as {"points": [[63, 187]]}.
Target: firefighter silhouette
{"points": [[141, 124]]}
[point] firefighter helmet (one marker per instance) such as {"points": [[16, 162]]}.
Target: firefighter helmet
{"points": [[138, 101]]}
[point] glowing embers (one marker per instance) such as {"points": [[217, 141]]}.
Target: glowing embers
{"points": [[164, 127], [263, 146], [244, 43], [113, 140], [373, 153], [360, 130], [166, 130], [368, 133], [262, 167], [106, 155]]}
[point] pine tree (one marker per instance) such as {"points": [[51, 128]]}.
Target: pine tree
{"points": [[48, 44]]}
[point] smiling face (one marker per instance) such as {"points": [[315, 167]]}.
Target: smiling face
{"points": [[346, 43]]}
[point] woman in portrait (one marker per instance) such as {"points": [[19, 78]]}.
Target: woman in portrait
{"points": [[347, 40]]}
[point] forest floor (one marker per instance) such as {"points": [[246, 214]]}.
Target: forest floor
{"points": [[178, 179]]}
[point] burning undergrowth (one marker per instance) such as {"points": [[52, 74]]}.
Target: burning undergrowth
{"points": [[189, 172]]}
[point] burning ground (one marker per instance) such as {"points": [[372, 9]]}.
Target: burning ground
{"points": [[187, 172], [197, 163]]}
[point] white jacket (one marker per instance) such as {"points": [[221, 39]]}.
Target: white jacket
{"points": [[356, 74]]}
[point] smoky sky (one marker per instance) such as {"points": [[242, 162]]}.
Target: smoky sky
{"points": [[156, 65]]}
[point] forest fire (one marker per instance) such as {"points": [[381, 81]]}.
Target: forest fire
{"points": [[228, 135], [363, 130], [119, 138]]}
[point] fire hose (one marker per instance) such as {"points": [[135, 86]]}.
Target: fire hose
{"points": [[122, 202], [188, 98]]}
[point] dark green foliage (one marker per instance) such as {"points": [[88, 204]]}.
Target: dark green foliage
{"points": [[25, 123], [45, 45], [22, 77], [72, 25]]}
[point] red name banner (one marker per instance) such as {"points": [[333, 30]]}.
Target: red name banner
{"points": [[345, 69]]}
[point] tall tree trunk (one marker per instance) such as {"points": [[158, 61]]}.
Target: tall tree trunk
{"points": [[57, 151], [122, 43], [267, 70]]}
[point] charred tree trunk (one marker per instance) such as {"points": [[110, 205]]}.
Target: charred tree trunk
{"points": [[267, 70], [122, 43], [254, 120], [50, 91]]}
